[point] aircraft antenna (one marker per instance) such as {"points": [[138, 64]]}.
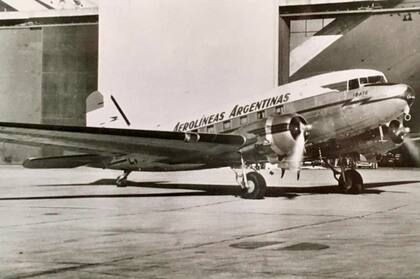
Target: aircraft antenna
{"points": [[120, 111]]}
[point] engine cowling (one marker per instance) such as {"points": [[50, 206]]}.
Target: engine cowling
{"points": [[377, 141], [283, 131], [397, 131]]}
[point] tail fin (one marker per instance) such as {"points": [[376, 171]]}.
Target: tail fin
{"points": [[104, 111]]}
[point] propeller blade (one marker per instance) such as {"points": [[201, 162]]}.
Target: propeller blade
{"points": [[298, 151], [412, 148]]}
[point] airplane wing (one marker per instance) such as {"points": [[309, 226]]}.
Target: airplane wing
{"points": [[66, 161], [170, 147]]}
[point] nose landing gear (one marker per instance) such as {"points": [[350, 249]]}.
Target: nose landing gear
{"points": [[349, 181]]}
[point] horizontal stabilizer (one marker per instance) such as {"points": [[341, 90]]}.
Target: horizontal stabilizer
{"points": [[61, 162]]}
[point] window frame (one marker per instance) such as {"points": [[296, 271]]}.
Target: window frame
{"points": [[211, 129], [227, 125], [353, 80], [261, 114], [279, 109], [242, 119]]}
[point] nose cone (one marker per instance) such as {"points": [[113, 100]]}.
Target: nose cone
{"points": [[409, 95]]}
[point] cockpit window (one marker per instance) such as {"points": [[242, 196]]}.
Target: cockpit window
{"points": [[376, 79], [353, 84], [363, 80], [372, 80]]}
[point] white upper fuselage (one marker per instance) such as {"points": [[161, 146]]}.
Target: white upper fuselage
{"points": [[337, 104]]}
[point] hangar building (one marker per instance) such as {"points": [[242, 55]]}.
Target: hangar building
{"points": [[48, 67], [197, 56]]}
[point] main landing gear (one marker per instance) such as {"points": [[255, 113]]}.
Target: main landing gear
{"points": [[254, 187], [122, 179], [253, 184], [349, 180]]}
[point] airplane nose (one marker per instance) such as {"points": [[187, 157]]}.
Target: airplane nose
{"points": [[409, 95]]}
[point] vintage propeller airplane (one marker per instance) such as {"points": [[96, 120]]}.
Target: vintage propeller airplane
{"points": [[333, 116]]}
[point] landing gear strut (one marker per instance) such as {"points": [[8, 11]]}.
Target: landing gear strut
{"points": [[349, 181], [122, 179], [253, 184], [256, 186]]}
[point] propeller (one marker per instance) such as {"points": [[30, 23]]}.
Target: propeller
{"points": [[398, 131], [400, 134], [296, 158], [298, 151], [412, 148]]}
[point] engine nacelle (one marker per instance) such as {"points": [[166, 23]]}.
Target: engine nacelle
{"points": [[282, 133], [377, 141], [396, 131]]}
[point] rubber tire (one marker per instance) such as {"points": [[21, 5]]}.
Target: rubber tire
{"points": [[121, 183], [354, 183], [259, 189]]}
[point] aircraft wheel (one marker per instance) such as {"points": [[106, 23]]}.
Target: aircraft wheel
{"points": [[121, 182], [257, 186], [353, 184]]}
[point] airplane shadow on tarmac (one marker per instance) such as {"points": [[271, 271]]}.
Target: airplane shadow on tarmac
{"points": [[272, 191], [206, 190]]}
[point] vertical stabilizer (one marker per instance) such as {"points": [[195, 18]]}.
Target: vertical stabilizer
{"points": [[103, 110]]}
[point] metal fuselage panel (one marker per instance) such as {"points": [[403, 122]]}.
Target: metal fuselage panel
{"points": [[344, 117], [333, 114], [340, 115]]}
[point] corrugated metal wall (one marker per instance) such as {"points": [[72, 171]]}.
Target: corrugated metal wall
{"points": [[20, 83], [69, 72], [46, 74]]}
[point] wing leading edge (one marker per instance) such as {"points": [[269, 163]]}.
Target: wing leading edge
{"points": [[155, 146]]}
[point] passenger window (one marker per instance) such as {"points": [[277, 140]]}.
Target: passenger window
{"points": [[210, 129], [279, 109], [353, 84], [261, 114], [226, 125], [244, 120]]}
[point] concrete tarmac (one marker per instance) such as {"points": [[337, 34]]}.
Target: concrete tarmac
{"points": [[76, 224]]}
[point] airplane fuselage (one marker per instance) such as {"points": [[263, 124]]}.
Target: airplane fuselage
{"points": [[340, 106], [333, 111], [338, 115]]}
